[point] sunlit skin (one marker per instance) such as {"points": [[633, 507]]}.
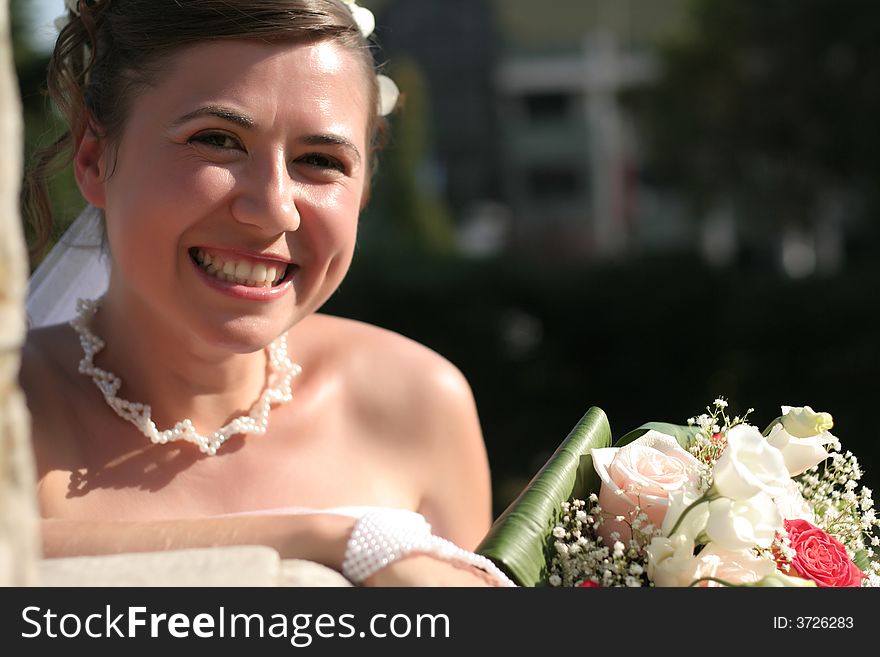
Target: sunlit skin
{"points": [[248, 150], [255, 152]]}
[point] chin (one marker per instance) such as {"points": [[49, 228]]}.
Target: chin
{"points": [[242, 335]]}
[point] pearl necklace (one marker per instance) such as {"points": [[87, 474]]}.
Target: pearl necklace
{"points": [[277, 391]]}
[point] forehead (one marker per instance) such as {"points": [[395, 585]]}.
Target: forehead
{"points": [[307, 83]]}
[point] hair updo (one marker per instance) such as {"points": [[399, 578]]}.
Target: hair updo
{"points": [[114, 49]]}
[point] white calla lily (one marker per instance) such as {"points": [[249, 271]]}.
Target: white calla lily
{"points": [[799, 454], [804, 422]]}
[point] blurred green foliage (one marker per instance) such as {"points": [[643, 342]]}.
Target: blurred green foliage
{"points": [[42, 124], [407, 200], [656, 339], [770, 105]]}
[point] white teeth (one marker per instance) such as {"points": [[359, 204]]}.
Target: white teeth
{"points": [[242, 270], [239, 271]]}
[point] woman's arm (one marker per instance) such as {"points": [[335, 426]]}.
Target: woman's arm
{"points": [[321, 538], [315, 537]]}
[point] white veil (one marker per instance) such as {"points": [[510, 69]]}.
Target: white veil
{"points": [[78, 266]]}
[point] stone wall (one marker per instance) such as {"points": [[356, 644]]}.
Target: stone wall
{"points": [[18, 507]]}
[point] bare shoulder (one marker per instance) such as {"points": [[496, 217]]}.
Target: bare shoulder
{"points": [[387, 371], [49, 361], [406, 393]]}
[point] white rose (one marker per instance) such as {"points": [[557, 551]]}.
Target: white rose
{"points": [[671, 561], [749, 465], [732, 566], [778, 579], [743, 524]]}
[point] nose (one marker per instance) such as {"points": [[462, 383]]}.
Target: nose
{"points": [[267, 198]]}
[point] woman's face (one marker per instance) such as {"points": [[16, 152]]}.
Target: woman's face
{"points": [[233, 199]]}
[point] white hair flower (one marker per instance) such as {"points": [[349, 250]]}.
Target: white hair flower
{"points": [[64, 19], [364, 18], [388, 95], [388, 91]]}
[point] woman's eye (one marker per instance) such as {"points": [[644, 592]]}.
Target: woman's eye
{"points": [[218, 140], [321, 161]]}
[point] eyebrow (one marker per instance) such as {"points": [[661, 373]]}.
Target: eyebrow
{"points": [[220, 112], [332, 140]]}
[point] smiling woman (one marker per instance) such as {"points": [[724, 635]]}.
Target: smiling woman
{"points": [[259, 182], [228, 150]]}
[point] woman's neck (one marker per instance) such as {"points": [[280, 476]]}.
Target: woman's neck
{"points": [[173, 371]]}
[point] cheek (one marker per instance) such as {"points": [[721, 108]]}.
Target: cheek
{"points": [[194, 187], [334, 218], [173, 198], [155, 208]]}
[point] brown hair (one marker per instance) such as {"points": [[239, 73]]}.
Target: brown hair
{"points": [[116, 48]]}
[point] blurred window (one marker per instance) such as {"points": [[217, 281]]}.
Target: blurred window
{"points": [[548, 107], [552, 181]]}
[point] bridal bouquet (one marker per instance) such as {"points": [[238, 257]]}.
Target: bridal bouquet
{"points": [[716, 502]]}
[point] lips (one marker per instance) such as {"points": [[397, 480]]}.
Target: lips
{"points": [[241, 270]]}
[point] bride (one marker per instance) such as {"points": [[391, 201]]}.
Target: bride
{"points": [[201, 400]]}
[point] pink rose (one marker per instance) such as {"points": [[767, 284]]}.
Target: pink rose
{"points": [[641, 474], [820, 557]]}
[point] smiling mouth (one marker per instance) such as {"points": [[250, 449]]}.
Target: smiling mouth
{"points": [[241, 271]]}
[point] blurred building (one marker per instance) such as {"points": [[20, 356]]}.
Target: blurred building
{"points": [[570, 161], [526, 116]]}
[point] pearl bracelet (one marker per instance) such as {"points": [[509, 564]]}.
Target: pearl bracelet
{"points": [[383, 536]]}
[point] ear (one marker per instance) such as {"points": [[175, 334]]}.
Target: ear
{"points": [[90, 167]]}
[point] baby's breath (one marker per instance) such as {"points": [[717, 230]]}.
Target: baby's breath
{"points": [[711, 438], [580, 555]]}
